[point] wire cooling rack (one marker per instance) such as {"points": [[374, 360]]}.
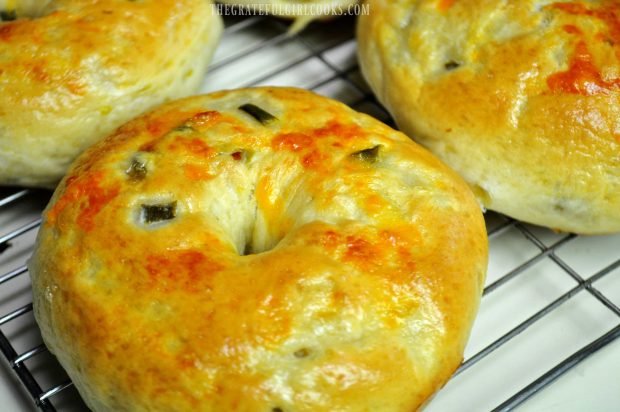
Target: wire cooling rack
{"points": [[546, 338]]}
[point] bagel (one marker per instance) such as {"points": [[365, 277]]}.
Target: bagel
{"points": [[72, 71], [258, 250], [521, 98], [303, 12]]}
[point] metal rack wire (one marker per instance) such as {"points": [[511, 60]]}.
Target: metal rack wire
{"points": [[322, 59]]}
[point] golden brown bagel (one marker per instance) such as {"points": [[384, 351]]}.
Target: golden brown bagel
{"points": [[296, 256], [522, 98], [303, 11], [75, 70]]}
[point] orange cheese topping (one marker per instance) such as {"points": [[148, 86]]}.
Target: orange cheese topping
{"points": [[188, 270], [271, 206], [314, 160], [86, 187], [205, 119], [571, 29], [195, 146], [293, 142], [6, 31], [609, 14], [162, 124], [582, 76], [298, 142], [445, 5], [197, 172], [307, 142], [340, 130]]}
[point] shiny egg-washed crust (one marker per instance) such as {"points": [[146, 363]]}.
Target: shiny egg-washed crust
{"points": [[520, 97], [318, 262], [72, 71], [302, 11]]}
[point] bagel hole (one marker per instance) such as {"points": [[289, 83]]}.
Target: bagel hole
{"points": [[277, 409], [256, 246], [247, 249], [252, 248]]}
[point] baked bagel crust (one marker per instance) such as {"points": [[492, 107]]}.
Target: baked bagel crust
{"points": [[198, 259], [78, 69], [521, 98]]}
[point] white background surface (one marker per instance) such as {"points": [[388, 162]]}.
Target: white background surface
{"points": [[323, 58]]}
